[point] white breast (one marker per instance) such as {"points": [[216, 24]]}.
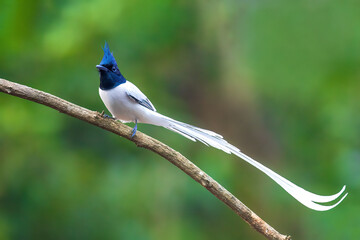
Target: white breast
{"points": [[122, 107], [118, 103]]}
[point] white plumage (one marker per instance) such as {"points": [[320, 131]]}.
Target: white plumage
{"points": [[128, 104]]}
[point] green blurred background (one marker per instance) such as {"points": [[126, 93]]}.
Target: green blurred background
{"points": [[279, 79]]}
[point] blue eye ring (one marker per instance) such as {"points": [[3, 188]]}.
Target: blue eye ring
{"points": [[114, 69]]}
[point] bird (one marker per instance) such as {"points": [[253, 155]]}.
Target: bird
{"points": [[127, 103]]}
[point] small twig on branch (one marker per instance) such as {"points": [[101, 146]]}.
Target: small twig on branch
{"points": [[142, 140]]}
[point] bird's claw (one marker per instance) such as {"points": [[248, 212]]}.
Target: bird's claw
{"points": [[133, 132], [104, 115]]}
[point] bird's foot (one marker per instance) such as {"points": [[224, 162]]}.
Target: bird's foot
{"points": [[134, 129], [104, 115]]}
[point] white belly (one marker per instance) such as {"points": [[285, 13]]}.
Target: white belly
{"points": [[122, 107], [118, 103]]}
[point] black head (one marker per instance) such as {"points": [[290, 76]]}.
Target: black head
{"points": [[110, 75]]}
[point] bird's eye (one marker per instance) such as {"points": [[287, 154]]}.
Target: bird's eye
{"points": [[113, 69]]}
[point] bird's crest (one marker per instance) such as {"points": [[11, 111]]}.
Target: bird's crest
{"points": [[108, 58]]}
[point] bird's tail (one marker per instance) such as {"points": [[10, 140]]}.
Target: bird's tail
{"points": [[215, 140]]}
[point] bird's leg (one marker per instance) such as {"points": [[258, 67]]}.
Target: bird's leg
{"points": [[105, 115], [134, 129]]}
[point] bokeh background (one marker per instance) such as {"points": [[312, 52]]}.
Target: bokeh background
{"points": [[279, 79]]}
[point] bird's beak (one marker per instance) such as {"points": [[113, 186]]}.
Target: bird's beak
{"points": [[101, 68]]}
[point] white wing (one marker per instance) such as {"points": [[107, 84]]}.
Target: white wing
{"points": [[136, 95]]}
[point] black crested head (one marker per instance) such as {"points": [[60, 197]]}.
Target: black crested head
{"points": [[110, 75]]}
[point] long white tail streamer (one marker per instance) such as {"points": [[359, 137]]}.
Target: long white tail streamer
{"points": [[215, 140]]}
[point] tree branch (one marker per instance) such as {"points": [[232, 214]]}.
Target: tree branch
{"points": [[142, 140]]}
